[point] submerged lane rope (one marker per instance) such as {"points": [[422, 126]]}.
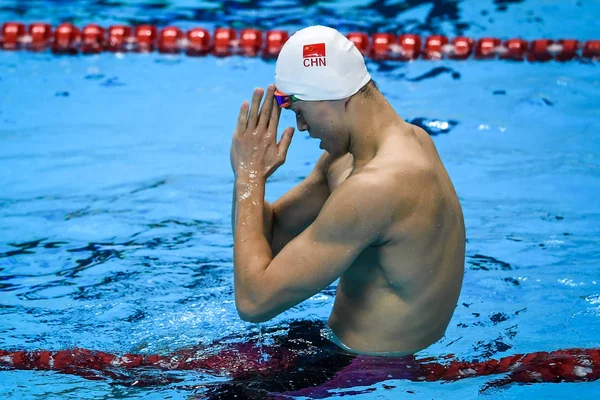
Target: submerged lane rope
{"points": [[245, 360]]}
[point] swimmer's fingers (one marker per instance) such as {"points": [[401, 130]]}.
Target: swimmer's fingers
{"points": [[253, 118], [274, 120], [265, 112], [242, 121], [284, 144]]}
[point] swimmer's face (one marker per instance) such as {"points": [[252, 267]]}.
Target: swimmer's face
{"points": [[324, 121]]}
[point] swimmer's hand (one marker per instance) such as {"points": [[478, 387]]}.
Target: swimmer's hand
{"points": [[255, 153]]}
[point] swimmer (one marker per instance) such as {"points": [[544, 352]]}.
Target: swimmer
{"points": [[378, 211]]}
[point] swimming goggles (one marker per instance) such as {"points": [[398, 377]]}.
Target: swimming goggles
{"points": [[284, 100]]}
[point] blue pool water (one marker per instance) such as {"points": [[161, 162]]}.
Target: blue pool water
{"points": [[115, 188]]}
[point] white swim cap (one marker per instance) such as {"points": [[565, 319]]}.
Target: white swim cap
{"points": [[319, 63]]}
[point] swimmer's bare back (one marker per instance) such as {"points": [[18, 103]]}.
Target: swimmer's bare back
{"points": [[399, 293]]}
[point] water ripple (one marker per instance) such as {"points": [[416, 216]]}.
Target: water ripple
{"points": [[418, 16]]}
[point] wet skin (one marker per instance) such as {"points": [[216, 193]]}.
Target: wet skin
{"points": [[378, 211]]}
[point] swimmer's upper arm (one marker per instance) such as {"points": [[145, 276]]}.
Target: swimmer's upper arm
{"points": [[353, 217], [299, 207]]}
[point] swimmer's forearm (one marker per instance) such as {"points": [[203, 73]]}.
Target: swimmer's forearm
{"points": [[251, 250], [268, 216], [268, 221]]}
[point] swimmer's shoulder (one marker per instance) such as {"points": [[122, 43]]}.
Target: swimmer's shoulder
{"points": [[411, 155], [404, 178], [391, 182]]}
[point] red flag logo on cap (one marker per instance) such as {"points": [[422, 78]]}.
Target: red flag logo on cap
{"points": [[313, 55], [314, 50]]}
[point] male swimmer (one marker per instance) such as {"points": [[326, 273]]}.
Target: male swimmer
{"points": [[378, 211]]}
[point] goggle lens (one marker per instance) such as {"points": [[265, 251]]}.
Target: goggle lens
{"points": [[283, 100]]}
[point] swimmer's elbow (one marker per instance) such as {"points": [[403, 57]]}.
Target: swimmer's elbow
{"points": [[250, 311], [254, 318], [252, 314], [256, 303]]}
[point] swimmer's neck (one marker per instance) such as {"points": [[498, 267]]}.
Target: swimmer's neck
{"points": [[370, 122]]}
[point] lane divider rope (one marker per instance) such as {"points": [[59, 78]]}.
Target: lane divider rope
{"points": [[66, 38], [248, 359]]}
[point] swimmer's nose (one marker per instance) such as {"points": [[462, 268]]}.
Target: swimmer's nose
{"points": [[301, 124]]}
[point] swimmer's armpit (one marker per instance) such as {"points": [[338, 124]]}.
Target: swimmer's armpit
{"points": [[352, 218]]}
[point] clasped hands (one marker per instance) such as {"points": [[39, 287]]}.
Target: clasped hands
{"points": [[255, 153]]}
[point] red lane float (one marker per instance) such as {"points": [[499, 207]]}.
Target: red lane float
{"points": [[514, 49], [119, 36], [463, 47], [434, 47], [169, 40], [247, 359], [381, 46], [275, 41], [198, 42], [360, 40], [93, 39], [591, 49], [12, 35], [225, 42], [486, 48], [539, 50], [569, 49], [145, 38], [410, 47], [250, 42], [66, 39], [40, 35]]}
